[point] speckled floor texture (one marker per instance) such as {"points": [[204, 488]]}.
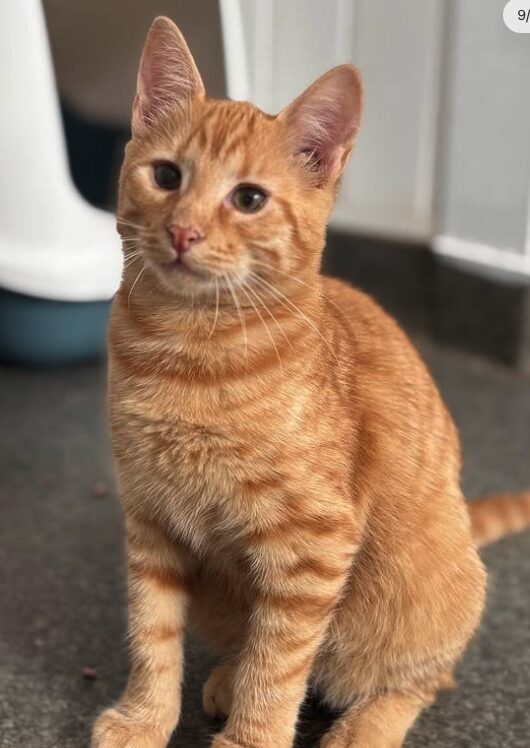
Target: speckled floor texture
{"points": [[61, 570]]}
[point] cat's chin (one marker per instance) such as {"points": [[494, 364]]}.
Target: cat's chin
{"points": [[188, 282]]}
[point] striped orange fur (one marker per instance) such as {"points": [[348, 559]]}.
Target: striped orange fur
{"points": [[492, 517], [288, 471]]}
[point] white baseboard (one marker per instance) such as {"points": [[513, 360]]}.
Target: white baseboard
{"points": [[501, 264]]}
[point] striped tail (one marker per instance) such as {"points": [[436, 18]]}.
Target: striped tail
{"points": [[493, 517]]}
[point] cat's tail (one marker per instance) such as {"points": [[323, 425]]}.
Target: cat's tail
{"points": [[493, 517]]}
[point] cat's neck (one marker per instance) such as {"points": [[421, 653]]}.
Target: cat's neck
{"points": [[162, 333]]}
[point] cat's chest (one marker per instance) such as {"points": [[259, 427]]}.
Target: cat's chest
{"points": [[191, 473], [183, 454]]}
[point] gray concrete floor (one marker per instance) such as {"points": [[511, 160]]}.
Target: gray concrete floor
{"points": [[61, 569]]}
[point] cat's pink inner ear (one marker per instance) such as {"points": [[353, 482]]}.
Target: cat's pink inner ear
{"points": [[323, 122], [168, 77]]}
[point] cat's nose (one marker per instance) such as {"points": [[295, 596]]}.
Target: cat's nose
{"points": [[182, 237]]}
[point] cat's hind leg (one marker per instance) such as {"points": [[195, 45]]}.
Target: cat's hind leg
{"points": [[383, 722]]}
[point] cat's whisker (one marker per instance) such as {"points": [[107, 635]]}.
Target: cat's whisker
{"points": [[142, 271], [239, 312], [290, 276], [132, 252], [297, 280], [130, 262], [140, 248], [216, 308], [131, 243], [286, 301], [271, 315], [133, 225], [244, 289]]}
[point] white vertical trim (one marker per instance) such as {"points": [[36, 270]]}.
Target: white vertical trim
{"points": [[425, 178], [234, 50], [263, 58], [444, 117]]}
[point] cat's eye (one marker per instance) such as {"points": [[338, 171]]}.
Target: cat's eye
{"points": [[248, 199], [167, 175]]}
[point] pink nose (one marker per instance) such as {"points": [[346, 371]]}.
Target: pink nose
{"points": [[183, 237]]}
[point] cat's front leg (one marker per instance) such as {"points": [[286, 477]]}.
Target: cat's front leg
{"points": [[295, 598], [148, 711]]}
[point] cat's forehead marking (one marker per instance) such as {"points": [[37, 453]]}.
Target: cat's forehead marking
{"points": [[222, 130]]}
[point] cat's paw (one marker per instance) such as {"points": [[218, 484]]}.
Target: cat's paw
{"points": [[340, 736], [114, 730], [218, 691]]}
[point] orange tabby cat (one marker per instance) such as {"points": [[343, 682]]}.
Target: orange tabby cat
{"points": [[289, 474]]}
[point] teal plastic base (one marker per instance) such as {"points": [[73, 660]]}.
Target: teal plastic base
{"points": [[42, 332]]}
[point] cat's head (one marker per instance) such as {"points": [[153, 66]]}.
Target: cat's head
{"points": [[215, 193]]}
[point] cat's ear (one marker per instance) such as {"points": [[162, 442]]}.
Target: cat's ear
{"points": [[168, 77], [323, 122]]}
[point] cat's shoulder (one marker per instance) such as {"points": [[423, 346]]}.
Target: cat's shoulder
{"points": [[352, 301], [365, 325]]}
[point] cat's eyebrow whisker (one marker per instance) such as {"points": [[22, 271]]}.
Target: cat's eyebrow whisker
{"points": [[293, 306], [244, 289], [216, 308], [239, 312], [271, 315]]}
